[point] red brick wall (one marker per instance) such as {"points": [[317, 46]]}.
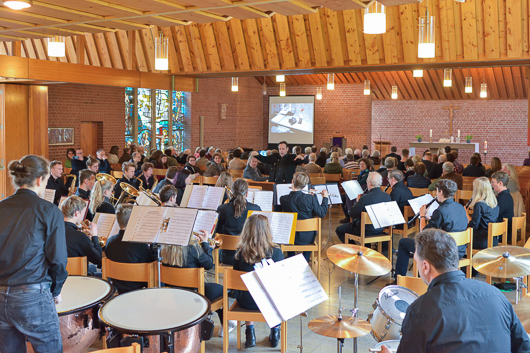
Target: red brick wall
{"points": [[70, 104], [503, 123], [344, 111], [244, 113]]}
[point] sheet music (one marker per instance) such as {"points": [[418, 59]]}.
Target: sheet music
{"points": [[115, 228], [334, 193], [212, 199], [197, 196], [267, 309], [105, 223], [179, 227], [264, 199], [144, 200], [319, 189], [281, 224], [147, 222], [352, 189], [385, 214], [49, 195], [62, 200], [250, 195], [285, 189], [417, 202], [205, 220]]}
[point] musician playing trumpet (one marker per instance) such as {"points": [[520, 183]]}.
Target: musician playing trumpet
{"points": [[81, 240], [128, 178]]}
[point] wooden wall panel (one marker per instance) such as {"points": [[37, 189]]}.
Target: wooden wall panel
{"points": [[38, 116]]}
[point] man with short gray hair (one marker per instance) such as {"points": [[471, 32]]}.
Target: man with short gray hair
{"points": [[374, 196], [449, 173], [456, 314], [312, 167]]}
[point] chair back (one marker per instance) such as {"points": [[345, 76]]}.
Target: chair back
{"points": [[202, 168], [197, 180], [143, 272], [209, 180], [236, 172], [232, 279], [77, 266], [228, 242], [365, 220], [117, 174], [183, 277], [463, 195], [415, 284], [497, 229], [159, 172], [308, 225], [116, 166], [332, 177], [464, 237], [519, 224], [419, 191], [312, 175], [134, 348], [254, 187], [317, 180]]}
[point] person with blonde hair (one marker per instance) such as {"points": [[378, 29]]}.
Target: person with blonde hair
{"points": [[485, 211], [513, 184], [496, 166], [333, 166], [100, 197], [256, 244]]}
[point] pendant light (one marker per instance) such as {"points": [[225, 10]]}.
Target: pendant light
{"points": [[448, 77], [469, 85], [483, 90], [280, 78], [235, 84], [282, 89], [331, 82], [18, 4], [417, 73], [394, 92], [426, 46], [56, 46], [161, 53], [375, 19], [366, 87], [319, 93]]}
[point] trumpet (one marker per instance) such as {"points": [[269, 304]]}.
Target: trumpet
{"points": [[229, 193], [72, 188], [140, 180], [85, 228], [151, 195], [214, 242]]}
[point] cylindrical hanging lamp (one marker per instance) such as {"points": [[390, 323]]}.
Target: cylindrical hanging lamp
{"points": [[56, 46], [426, 46], [394, 92], [319, 93], [282, 89], [367, 87], [469, 85], [280, 78], [483, 90], [331, 82], [161, 53], [235, 84], [375, 19], [448, 81], [417, 73]]}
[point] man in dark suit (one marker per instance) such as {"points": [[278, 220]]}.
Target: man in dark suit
{"points": [[427, 160], [283, 164], [437, 169], [374, 196], [306, 206], [400, 192], [499, 182], [393, 153]]}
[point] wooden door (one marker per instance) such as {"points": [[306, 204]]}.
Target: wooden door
{"points": [[89, 137]]}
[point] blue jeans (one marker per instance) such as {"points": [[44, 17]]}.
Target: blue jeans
{"points": [[29, 314]]}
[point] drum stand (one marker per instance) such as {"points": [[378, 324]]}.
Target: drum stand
{"points": [[159, 261], [340, 341], [301, 346], [518, 285], [355, 309]]}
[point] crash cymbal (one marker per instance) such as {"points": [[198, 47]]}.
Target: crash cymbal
{"points": [[503, 261], [523, 312], [358, 259], [348, 327]]}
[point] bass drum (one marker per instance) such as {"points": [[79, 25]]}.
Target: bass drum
{"points": [[389, 312], [159, 319]]}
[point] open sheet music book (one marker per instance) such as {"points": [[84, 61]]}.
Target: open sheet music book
{"points": [[352, 189], [333, 190], [283, 225], [144, 200], [284, 189], [202, 196], [385, 214], [166, 225], [284, 289], [417, 202], [107, 224], [263, 199], [49, 195]]}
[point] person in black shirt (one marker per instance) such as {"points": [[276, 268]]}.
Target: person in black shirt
{"points": [[437, 169], [147, 179], [77, 242], [33, 261], [427, 160], [401, 163], [128, 178], [79, 162], [232, 216], [100, 198], [191, 166], [87, 179], [104, 165], [168, 196], [418, 180], [255, 245], [168, 180], [485, 211], [182, 179], [400, 192], [118, 250], [126, 156], [393, 153], [456, 314], [55, 182], [473, 169], [499, 182], [306, 206], [283, 164]]}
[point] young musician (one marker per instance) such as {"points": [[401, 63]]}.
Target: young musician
{"points": [[92, 164], [485, 211], [128, 178], [100, 197], [33, 261], [147, 178], [78, 243], [168, 196], [127, 252], [232, 216], [306, 206], [255, 245], [224, 180], [87, 179], [171, 173], [55, 182]]}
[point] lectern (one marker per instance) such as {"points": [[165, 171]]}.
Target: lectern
{"points": [[383, 147]]}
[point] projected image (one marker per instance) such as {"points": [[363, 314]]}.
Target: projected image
{"points": [[293, 116]]}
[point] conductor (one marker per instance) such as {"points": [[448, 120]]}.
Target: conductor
{"points": [[283, 164]]}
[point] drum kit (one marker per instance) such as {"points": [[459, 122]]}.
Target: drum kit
{"points": [[384, 323]]}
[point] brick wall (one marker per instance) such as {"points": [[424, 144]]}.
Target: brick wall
{"points": [[70, 104], [503, 123], [344, 111], [244, 113]]}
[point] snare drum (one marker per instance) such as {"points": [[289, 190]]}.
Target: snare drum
{"points": [[159, 319], [389, 312]]}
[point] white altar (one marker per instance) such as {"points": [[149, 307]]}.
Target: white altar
{"points": [[434, 146]]}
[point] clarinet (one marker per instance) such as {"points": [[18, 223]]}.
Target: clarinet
{"points": [[418, 214], [387, 187], [469, 203]]}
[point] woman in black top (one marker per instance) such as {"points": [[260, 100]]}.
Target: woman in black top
{"points": [[190, 165], [182, 179], [255, 245], [100, 197], [485, 211], [232, 216], [418, 180]]}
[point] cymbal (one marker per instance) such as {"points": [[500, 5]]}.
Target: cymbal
{"points": [[523, 312], [348, 327], [503, 261], [358, 259]]}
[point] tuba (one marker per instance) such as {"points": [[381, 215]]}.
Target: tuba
{"points": [[104, 176], [128, 194]]}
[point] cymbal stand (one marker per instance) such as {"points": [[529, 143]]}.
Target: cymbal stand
{"points": [[158, 260], [340, 341], [301, 346], [355, 310], [518, 285]]}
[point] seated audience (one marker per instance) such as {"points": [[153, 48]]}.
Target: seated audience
{"points": [[401, 165], [333, 167], [350, 163], [357, 154], [215, 168], [437, 169], [393, 153], [237, 163], [312, 167], [427, 160], [527, 160], [449, 173], [126, 156], [459, 168], [409, 165], [70, 154], [473, 169], [104, 164], [322, 157], [113, 155], [418, 180], [182, 178], [496, 166], [499, 182], [376, 157], [252, 171], [513, 184], [192, 167], [168, 180], [485, 211]]}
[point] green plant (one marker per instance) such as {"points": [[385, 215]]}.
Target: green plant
{"points": [[468, 137], [419, 136]]}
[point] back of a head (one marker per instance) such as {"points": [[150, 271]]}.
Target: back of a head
{"points": [[334, 157], [348, 151], [255, 240], [479, 158], [482, 191], [447, 187], [447, 149], [307, 150], [26, 171], [314, 149], [237, 153], [300, 180], [438, 248], [202, 153], [239, 189], [297, 150], [312, 157], [180, 178], [127, 150], [376, 154], [72, 205], [409, 163], [496, 164], [395, 174], [390, 162], [455, 153], [167, 192], [448, 167], [350, 157], [450, 157], [473, 160], [405, 152], [123, 213], [171, 172], [375, 179], [442, 158], [393, 149], [416, 159], [419, 168], [114, 150], [365, 153], [324, 149]]}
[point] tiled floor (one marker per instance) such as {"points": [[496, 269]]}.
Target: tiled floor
{"points": [[332, 278]]}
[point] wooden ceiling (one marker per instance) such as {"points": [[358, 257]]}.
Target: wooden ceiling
{"points": [[502, 83]]}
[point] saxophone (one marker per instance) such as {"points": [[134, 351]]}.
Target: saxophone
{"points": [[72, 188]]}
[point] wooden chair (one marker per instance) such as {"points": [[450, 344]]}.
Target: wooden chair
{"points": [[416, 192], [254, 187], [202, 168], [518, 224], [197, 180], [232, 280], [332, 178], [463, 195], [236, 172], [379, 239], [77, 266], [117, 174], [413, 283], [209, 180], [308, 225], [116, 166], [188, 278], [228, 242], [463, 238], [135, 348], [317, 180], [144, 272], [312, 175], [494, 230], [407, 231]]}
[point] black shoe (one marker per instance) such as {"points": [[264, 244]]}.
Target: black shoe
{"points": [[250, 335], [274, 336], [345, 220]]}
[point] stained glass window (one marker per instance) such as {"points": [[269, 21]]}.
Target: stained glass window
{"points": [[162, 119], [178, 113], [129, 115], [144, 118]]}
